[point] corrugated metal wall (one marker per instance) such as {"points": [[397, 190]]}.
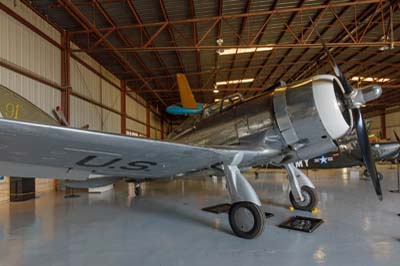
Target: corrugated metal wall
{"points": [[138, 113], [392, 123], [392, 120], [85, 113], [155, 123], [90, 85], [22, 47], [5, 189], [28, 51], [375, 125]]}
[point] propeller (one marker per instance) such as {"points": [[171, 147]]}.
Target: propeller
{"points": [[354, 100]]}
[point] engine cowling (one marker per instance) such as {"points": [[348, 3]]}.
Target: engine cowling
{"points": [[310, 116]]}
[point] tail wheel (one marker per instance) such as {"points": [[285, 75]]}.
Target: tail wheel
{"points": [[310, 199], [246, 219]]}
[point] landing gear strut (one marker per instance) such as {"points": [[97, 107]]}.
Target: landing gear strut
{"points": [[138, 189], [246, 217], [302, 194]]}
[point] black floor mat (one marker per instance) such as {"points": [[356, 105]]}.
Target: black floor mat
{"points": [[303, 224]]}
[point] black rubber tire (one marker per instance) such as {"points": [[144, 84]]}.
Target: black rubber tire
{"points": [[313, 199], [258, 216]]}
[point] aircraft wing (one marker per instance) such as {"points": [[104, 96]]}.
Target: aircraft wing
{"points": [[35, 150]]}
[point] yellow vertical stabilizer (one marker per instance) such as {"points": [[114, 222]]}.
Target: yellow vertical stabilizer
{"points": [[187, 98]]}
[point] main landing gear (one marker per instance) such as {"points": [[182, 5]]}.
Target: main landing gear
{"points": [[310, 199], [302, 193], [246, 217], [138, 189]]}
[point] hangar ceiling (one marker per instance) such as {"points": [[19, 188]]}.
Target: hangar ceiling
{"points": [[146, 42]]}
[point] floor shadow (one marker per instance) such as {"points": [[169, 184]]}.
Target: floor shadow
{"points": [[179, 212], [274, 203]]}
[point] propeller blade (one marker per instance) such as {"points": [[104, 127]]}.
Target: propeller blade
{"points": [[365, 148], [395, 134], [347, 88]]}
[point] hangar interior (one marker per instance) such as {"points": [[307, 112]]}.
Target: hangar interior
{"points": [[111, 65]]}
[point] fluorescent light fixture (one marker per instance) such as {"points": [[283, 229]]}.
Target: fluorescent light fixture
{"points": [[236, 81], [217, 100], [370, 79], [231, 51], [235, 98], [215, 90]]}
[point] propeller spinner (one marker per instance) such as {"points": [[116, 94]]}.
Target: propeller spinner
{"points": [[354, 99]]}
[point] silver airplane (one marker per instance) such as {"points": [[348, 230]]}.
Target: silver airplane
{"points": [[292, 123], [288, 124]]}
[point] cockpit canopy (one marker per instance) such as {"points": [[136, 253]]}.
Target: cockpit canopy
{"points": [[222, 105]]}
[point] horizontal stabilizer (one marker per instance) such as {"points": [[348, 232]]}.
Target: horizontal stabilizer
{"points": [[179, 110]]}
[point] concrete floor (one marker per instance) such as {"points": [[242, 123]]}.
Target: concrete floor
{"points": [[166, 226]]}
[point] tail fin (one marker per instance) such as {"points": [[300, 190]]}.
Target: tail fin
{"points": [[14, 106], [186, 94]]}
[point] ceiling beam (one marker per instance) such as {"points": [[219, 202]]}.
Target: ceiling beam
{"points": [[85, 23], [238, 15]]}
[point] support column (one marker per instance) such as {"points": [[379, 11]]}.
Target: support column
{"points": [[65, 75], [65, 81], [147, 120], [162, 126], [383, 124], [123, 107]]}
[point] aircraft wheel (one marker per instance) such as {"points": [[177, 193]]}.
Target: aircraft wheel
{"points": [[310, 199], [246, 219]]}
